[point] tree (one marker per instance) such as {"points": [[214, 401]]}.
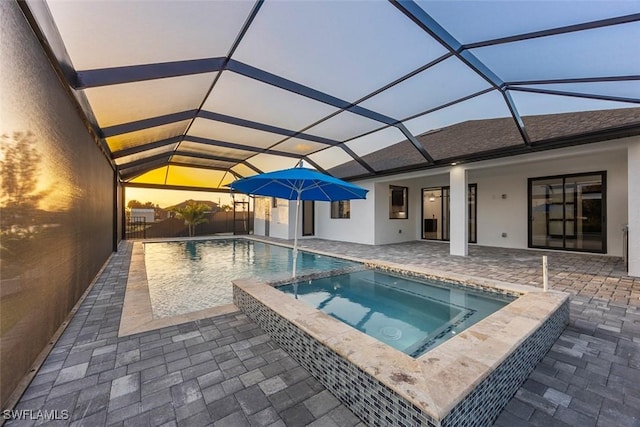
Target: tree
{"points": [[19, 171], [134, 204], [193, 214]]}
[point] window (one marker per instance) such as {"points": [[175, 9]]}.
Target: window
{"points": [[341, 209], [398, 202], [568, 212]]}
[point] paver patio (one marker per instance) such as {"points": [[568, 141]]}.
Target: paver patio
{"points": [[225, 371]]}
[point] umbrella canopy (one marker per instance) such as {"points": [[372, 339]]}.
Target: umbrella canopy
{"points": [[299, 184]]}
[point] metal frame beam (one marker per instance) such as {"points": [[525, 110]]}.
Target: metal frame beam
{"points": [[413, 140], [556, 31], [576, 94], [110, 131], [145, 147], [574, 80], [163, 156], [421, 18], [176, 187], [135, 73], [216, 143], [204, 156], [264, 127], [135, 171], [357, 158]]}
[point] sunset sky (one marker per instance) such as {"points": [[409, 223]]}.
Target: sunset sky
{"points": [[166, 198]]}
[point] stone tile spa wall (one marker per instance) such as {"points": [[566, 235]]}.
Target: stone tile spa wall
{"points": [[379, 405]]}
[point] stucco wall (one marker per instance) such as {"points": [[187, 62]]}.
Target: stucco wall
{"points": [[496, 215], [359, 227]]}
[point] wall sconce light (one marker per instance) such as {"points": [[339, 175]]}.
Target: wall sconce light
{"points": [[432, 197]]}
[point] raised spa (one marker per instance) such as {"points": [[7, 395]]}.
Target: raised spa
{"points": [[464, 381], [410, 315]]}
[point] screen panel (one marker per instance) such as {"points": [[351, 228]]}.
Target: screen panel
{"points": [[243, 170], [268, 162], [440, 84], [485, 20], [215, 150], [349, 40], [145, 136], [343, 126], [488, 106], [600, 52], [196, 177], [118, 33], [190, 160], [376, 141], [57, 194], [145, 154], [155, 176], [238, 96], [129, 102], [299, 146], [212, 129], [330, 157]]}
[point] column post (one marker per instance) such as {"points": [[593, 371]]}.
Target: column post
{"points": [[459, 225], [633, 214]]}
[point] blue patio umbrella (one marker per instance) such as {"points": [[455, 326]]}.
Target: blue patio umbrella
{"points": [[297, 184]]}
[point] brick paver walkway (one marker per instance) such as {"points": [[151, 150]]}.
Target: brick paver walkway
{"points": [[225, 371]]}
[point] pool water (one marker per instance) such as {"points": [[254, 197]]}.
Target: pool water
{"points": [[410, 315], [187, 276]]}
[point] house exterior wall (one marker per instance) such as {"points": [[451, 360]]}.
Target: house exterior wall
{"points": [[149, 215], [282, 219], [58, 225], [260, 207], [358, 227], [496, 215]]}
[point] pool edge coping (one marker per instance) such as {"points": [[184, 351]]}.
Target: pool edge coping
{"points": [[439, 379], [137, 312]]}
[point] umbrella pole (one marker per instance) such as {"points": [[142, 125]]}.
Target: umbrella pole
{"points": [[295, 235]]}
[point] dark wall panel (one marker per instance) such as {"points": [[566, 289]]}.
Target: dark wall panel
{"points": [[57, 192]]}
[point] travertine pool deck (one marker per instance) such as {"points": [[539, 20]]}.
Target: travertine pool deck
{"points": [[225, 371]]}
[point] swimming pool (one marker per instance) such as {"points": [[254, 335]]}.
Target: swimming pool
{"points": [[186, 276], [411, 316]]}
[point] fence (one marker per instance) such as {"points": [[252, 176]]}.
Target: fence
{"points": [[136, 227], [217, 223]]}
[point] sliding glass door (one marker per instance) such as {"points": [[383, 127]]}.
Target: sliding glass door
{"points": [[435, 213], [568, 212]]}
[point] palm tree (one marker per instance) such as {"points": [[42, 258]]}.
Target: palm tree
{"points": [[193, 214]]}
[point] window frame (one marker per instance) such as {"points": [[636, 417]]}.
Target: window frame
{"points": [[564, 177], [402, 213], [338, 211]]}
